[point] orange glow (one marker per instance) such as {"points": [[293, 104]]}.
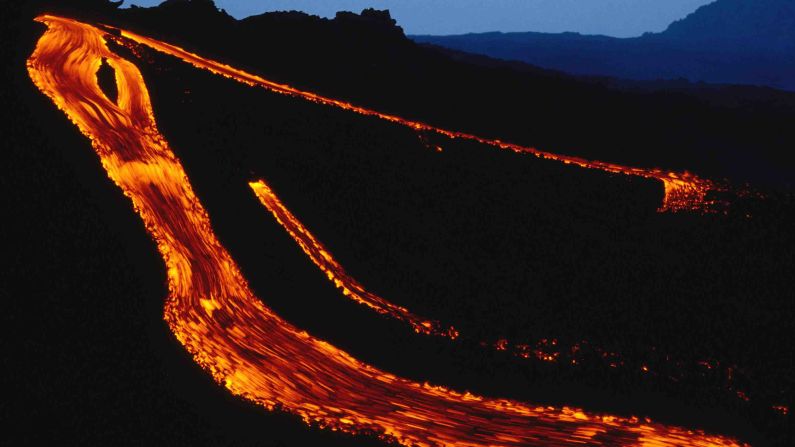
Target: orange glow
{"points": [[683, 191], [545, 350], [242, 343], [323, 259]]}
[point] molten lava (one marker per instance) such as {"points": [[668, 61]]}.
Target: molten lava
{"points": [[683, 191], [545, 350], [323, 260], [236, 338]]}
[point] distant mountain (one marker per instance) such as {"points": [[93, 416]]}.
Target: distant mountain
{"points": [[770, 23], [728, 42]]}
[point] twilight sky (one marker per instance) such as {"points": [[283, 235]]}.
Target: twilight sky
{"points": [[620, 18]]}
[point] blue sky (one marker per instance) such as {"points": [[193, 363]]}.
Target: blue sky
{"points": [[620, 18]]}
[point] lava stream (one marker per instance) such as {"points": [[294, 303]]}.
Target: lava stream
{"points": [[244, 345], [683, 191], [546, 350], [335, 273]]}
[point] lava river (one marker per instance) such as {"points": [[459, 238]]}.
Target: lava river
{"points": [[236, 338], [683, 191]]}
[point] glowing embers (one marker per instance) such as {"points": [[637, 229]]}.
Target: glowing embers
{"points": [[241, 342]]}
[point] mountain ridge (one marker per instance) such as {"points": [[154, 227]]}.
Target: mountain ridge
{"points": [[772, 21], [726, 42]]}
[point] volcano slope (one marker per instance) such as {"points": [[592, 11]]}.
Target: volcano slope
{"points": [[591, 204]]}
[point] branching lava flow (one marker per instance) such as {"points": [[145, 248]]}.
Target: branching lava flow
{"points": [[242, 343]]}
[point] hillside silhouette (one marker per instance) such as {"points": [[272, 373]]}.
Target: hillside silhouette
{"points": [[725, 42], [497, 244], [741, 133]]}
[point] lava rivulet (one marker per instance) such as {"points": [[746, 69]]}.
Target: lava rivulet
{"points": [[323, 260], [546, 350], [683, 191], [235, 337]]}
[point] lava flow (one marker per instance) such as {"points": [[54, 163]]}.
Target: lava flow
{"points": [[683, 191], [323, 260], [235, 337], [545, 350]]}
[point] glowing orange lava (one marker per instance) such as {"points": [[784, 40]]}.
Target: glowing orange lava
{"points": [[545, 350], [323, 260], [240, 341], [683, 191]]}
